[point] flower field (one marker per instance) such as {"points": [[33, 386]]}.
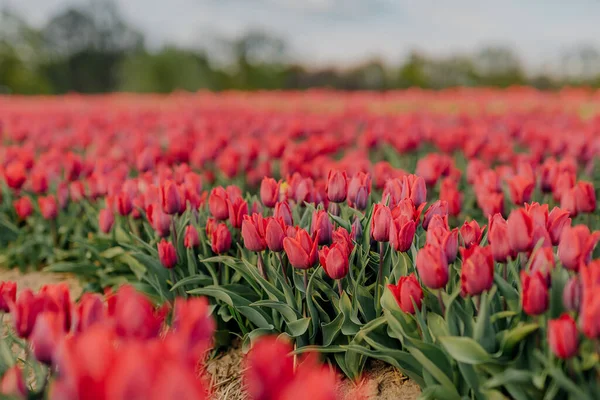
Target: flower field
{"points": [[451, 235]]}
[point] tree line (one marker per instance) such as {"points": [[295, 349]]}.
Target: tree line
{"points": [[92, 49]]}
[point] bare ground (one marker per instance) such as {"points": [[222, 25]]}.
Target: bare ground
{"points": [[380, 381]]}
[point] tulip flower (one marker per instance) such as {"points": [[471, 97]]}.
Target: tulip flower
{"points": [[534, 293], [563, 336], [576, 246], [572, 294], [471, 233], [269, 368], [124, 204], [26, 310], [585, 197], [106, 220], [521, 189], [432, 266], [359, 189], [220, 238], [46, 336], [275, 232], [589, 316], [12, 383], [334, 260], [322, 224], [414, 188], [237, 210], [440, 207], [8, 295], [407, 293], [301, 250], [217, 203], [380, 223], [477, 272], [445, 239], [15, 175], [90, 310], [557, 220], [48, 207], [253, 232], [23, 207], [191, 238], [498, 238], [337, 186], [167, 254], [450, 194], [490, 203], [269, 192], [402, 233], [170, 198], [520, 230]]}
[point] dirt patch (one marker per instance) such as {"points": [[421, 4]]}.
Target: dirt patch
{"points": [[34, 280]]}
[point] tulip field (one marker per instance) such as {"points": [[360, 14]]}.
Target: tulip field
{"points": [[450, 235]]}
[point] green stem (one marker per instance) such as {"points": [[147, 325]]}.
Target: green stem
{"points": [[283, 269]]}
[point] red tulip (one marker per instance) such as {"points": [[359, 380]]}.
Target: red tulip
{"points": [[217, 204], [414, 188], [576, 246], [57, 299], [269, 192], [589, 316], [334, 260], [557, 220], [521, 189], [89, 311], [301, 249], [106, 219], [450, 194], [359, 189], [520, 230], [23, 207], [490, 203], [124, 204], [445, 239], [337, 186], [440, 207], [585, 198], [534, 293], [572, 294], [477, 272], [12, 383], [498, 238], [275, 233], [380, 223], [148, 320], [221, 238], [8, 295], [543, 261], [321, 225], [407, 291], [193, 326], [269, 368], [39, 182], [26, 310], [160, 221], [563, 336], [407, 207], [46, 336], [432, 266], [253, 232], [48, 207], [402, 233], [167, 254], [15, 175], [237, 210], [191, 238], [170, 198], [283, 211], [342, 237], [471, 233]]}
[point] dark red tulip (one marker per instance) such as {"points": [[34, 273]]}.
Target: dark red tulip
{"points": [[334, 260], [440, 207], [237, 210], [414, 188], [170, 198], [221, 238], [191, 238], [520, 230], [321, 225], [217, 204], [337, 186], [407, 293], [275, 233], [563, 336], [15, 175], [167, 254], [432, 266], [380, 223], [124, 204], [301, 249], [572, 294], [576, 246], [48, 207], [402, 233], [39, 182], [253, 232], [269, 192], [534, 293], [8, 295], [23, 207], [477, 272], [445, 239], [359, 189], [557, 220], [471, 233]]}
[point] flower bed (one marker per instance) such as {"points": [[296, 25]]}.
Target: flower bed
{"points": [[453, 239]]}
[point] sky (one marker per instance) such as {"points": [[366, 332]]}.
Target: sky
{"points": [[342, 32]]}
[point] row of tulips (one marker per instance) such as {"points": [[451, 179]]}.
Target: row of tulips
{"points": [[474, 276], [120, 346]]}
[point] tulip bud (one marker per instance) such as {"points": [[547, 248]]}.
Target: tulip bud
{"points": [[8, 295], [221, 239], [585, 197], [334, 260], [477, 272], [414, 188], [432, 266], [520, 230], [217, 204], [170, 198], [498, 238], [445, 239], [402, 233], [12, 383], [563, 336], [576, 246], [362, 198], [572, 294], [301, 250], [15, 175], [283, 211], [23, 207], [357, 230], [253, 232], [440, 207], [39, 182], [124, 204], [237, 210], [449, 193], [589, 316], [322, 226], [106, 219], [191, 238], [521, 189], [380, 223], [543, 261], [359, 189], [534, 293], [275, 233], [557, 220], [46, 336], [89, 310], [337, 186], [269, 192], [48, 207], [471, 233], [407, 291], [167, 254]]}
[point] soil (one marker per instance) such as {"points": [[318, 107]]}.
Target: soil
{"points": [[380, 380]]}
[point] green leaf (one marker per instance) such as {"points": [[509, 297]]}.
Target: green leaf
{"points": [[437, 325], [515, 336], [77, 268], [508, 376], [332, 329], [344, 223], [502, 315], [112, 252], [436, 372], [465, 349], [349, 326], [288, 313], [298, 327], [138, 269], [436, 392], [561, 379], [199, 279]]}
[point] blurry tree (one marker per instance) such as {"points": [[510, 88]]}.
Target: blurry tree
{"points": [[498, 66], [412, 72]]}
